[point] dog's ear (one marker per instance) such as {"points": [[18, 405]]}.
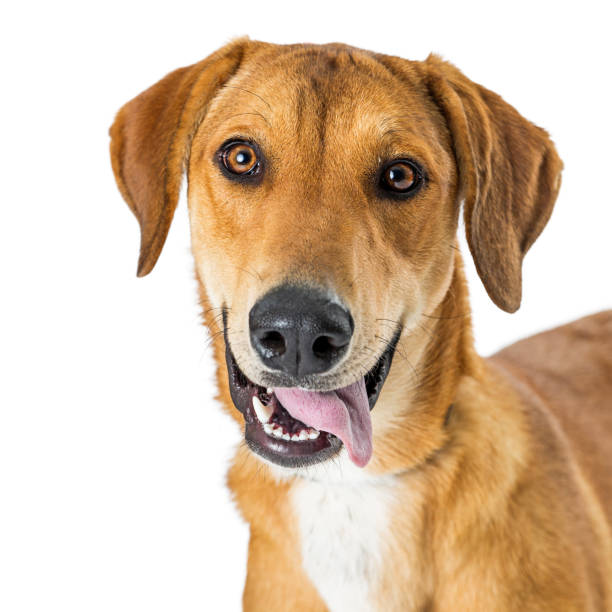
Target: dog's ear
{"points": [[509, 174], [151, 138]]}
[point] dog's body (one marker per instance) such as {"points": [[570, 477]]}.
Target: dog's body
{"points": [[488, 483]]}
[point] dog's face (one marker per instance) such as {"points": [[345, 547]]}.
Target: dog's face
{"points": [[324, 185], [341, 218]]}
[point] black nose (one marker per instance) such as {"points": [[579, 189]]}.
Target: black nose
{"points": [[299, 330]]}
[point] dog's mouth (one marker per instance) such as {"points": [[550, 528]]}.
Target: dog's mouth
{"points": [[293, 427]]}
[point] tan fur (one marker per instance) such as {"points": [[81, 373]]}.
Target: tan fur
{"points": [[504, 502]]}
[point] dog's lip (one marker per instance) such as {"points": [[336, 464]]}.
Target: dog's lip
{"points": [[288, 453]]}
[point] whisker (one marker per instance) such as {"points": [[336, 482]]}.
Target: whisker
{"points": [[214, 336], [253, 113], [387, 342], [211, 309], [428, 331], [390, 321], [459, 316], [401, 354], [216, 319], [249, 92], [255, 274]]}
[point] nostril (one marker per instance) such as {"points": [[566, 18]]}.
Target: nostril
{"points": [[299, 330], [325, 347], [273, 343]]}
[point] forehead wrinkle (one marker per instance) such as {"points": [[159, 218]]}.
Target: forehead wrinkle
{"points": [[249, 113], [299, 108], [306, 115], [322, 104], [311, 72]]}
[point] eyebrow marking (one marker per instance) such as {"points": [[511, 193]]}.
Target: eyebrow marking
{"points": [[250, 92]]}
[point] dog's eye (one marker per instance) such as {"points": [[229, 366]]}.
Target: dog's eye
{"points": [[400, 176], [240, 158]]}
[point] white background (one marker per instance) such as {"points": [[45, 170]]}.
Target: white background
{"points": [[112, 450]]}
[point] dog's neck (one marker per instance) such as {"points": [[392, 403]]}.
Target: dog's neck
{"points": [[448, 346]]}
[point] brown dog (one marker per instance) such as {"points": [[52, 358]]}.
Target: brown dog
{"points": [[324, 188]]}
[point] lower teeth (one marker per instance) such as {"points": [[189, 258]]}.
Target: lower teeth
{"points": [[264, 414], [275, 431]]}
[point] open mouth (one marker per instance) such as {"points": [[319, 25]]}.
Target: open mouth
{"points": [[289, 426]]}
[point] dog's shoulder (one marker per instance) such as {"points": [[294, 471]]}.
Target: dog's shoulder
{"points": [[569, 368]]}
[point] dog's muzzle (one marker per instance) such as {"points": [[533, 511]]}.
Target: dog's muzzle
{"points": [[292, 423]]}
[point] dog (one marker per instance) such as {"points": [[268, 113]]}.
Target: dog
{"points": [[386, 466]]}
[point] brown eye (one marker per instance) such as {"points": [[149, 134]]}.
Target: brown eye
{"points": [[240, 158], [400, 177]]}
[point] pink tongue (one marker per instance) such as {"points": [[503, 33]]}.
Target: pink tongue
{"points": [[343, 412]]}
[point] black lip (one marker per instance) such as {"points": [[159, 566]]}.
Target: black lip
{"points": [[283, 452]]}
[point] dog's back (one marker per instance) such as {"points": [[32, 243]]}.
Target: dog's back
{"points": [[570, 369]]}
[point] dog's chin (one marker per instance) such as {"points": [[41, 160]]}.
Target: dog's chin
{"points": [[273, 434]]}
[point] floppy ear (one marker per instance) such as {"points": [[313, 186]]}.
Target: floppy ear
{"points": [[509, 174], [151, 138]]}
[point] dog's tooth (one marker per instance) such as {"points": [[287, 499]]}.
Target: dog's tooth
{"points": [[286, 436], [277, 432], [313, 434], [270, 391], [268, 428], [303, 435], [295, 437], [263, 412]]}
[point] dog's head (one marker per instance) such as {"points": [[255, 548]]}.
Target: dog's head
{"points": [[324, 188]]}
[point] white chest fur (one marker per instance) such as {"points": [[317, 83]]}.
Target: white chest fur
{"points": [[343, 527]]}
